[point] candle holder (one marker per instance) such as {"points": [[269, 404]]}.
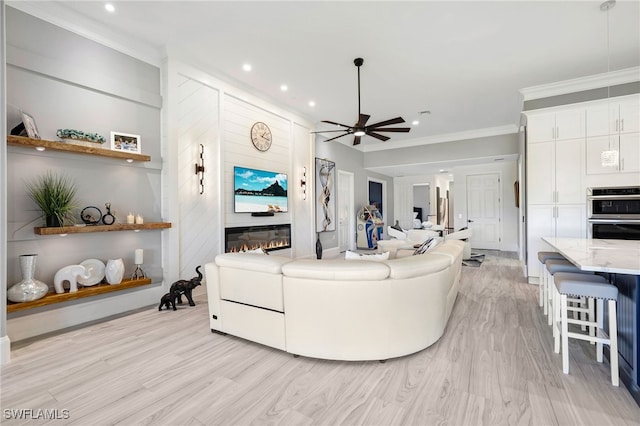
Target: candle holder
{"points": [[138, 274]]}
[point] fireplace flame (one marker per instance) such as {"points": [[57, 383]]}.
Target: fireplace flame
{"points": [[271, 245]]}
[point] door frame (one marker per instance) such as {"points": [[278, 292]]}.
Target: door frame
{"points": [[350, 200]]}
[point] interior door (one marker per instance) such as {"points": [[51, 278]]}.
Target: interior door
{"points": [[483, 210], [346, 213]]}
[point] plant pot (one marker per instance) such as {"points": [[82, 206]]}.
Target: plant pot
{"points": [[29, 288], [53, 221]]}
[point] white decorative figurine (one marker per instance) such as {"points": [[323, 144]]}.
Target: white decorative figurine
{"points": [[69, 273]]}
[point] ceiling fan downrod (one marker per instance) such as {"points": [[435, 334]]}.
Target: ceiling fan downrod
{"points": [[358, 62]]}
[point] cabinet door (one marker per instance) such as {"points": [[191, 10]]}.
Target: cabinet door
{"points": [[571, 221], [595, 147], [541, 127], [630, 115], [630, 152], [569, 170], [570, 124], [601, 119], [540, 223], [540, 172]]}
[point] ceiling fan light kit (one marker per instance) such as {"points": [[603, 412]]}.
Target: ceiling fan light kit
{"points": [[361, 129]]}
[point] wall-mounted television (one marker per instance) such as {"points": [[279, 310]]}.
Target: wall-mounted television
{"points": [[256, 191]]}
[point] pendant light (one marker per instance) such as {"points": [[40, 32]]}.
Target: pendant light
{"points": [[609, 158]]}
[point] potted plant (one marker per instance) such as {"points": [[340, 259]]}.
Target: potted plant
{"points": [[55, 195]]}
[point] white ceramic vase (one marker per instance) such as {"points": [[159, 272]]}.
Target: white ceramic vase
{"points": [[114, 271], [29, 288]]}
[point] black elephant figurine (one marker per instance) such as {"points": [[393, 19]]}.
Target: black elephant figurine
{"points": [[169, 300], [185, 287]]}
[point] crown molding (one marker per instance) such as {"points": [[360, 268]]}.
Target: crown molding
{"points": [[447, 137], [63, 17], [613, 78]]}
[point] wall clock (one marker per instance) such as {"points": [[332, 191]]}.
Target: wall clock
{"points": [[261, 136]]}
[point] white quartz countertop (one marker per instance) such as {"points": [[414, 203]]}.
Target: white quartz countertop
{"points": [[614, 256]]}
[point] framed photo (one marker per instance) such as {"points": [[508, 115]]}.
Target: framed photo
{"points": [[125, 142], [30, 126]]}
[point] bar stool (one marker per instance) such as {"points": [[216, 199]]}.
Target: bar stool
{"points": [[552, 266], [591, 287], [543, 256]]}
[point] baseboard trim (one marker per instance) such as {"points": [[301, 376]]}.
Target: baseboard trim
{"points": [[5, 350]]}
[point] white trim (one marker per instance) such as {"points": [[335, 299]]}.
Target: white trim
{"points": [[612, 78], [63, 17], [5, 350], [447, 137]]}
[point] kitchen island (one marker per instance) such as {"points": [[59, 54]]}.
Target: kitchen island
{"points": [[619, 261]]}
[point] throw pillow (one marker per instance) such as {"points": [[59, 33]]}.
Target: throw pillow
{"points": [[375, 257], [427, 245]]}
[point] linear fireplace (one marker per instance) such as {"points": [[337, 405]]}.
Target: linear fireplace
{"points": [[269, 237]]}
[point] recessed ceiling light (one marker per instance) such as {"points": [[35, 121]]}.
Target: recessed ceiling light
{"points": [[444, 171], [427, 112], [284, 87], [109, 7], [246, 67], [312, 103], [415, 122]]}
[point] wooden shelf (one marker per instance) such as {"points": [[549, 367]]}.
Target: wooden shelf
{"points": [[52, 298], [78, 149], [57, 230]]}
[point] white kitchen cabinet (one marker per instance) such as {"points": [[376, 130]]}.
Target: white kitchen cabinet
{"points": [[626, 150], [613, 116], [556, 125]]}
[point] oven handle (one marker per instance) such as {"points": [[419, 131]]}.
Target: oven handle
{"points": [[615, 221], [613, 197]]}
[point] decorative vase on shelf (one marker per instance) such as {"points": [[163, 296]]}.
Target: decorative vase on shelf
{"points": [[29, 288], [318, 247], [53, 221], [114, 271]]}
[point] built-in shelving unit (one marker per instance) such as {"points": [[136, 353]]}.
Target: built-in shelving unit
{"points": [[83, 292], [78, 149], [58, 230]]}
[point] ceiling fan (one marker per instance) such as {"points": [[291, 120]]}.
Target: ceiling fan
{"points": [[361, 129]]}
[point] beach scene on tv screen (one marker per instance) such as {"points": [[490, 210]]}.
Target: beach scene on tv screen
{"points": [[259, 191]]}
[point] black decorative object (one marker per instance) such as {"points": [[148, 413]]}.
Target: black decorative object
{"points": [[108, 218], [19, 130], [52, 220], [91, 215], [318, 248], [169, 300], [186, 287]]}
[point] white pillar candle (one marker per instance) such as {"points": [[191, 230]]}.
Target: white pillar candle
{"points": [[130, 218], [138, 256], [139, 220]]}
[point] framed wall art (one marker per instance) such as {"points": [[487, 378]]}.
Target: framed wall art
{"points": [[125, 142], [325, 197]]}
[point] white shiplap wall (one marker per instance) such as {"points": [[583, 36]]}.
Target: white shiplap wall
{"points": [[239, 116], [198, 123]]}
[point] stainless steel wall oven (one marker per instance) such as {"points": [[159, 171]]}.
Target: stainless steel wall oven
{"points": [[614, 212]]}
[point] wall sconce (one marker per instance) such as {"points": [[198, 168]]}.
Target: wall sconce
{"points": [[200, 169], [303, 183]]}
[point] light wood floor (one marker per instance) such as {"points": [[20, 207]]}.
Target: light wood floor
{"points": [[493, 366]]}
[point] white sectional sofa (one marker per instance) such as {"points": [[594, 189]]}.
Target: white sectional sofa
{"points": [[336, 309]]}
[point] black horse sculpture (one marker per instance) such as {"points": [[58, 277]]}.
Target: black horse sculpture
{"points": [[185, 287]]}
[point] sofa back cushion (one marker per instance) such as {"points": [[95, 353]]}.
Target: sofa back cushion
{"points": [[413, 266], [336, 269], [253, 262]]}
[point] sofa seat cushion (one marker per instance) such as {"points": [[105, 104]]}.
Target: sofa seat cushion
{"points": [[253, 262], [336, 269], [414, 266]]}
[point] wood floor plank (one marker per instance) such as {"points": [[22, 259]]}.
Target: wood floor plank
{"points": [[494, 365]]}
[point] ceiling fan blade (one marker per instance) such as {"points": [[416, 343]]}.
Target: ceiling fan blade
{"points": [[334, 123], [356, 140], [337, 137], [329, 131], [377, 136], [396, 120], [392, 129], [362, 120]]}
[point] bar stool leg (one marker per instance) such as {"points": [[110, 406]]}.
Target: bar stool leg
{"points": [[600, 321], [541, 288], [556, 320], [591, 317], [564, 333], [550, 288], [613, 343]]}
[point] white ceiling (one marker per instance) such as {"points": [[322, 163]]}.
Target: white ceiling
{"points": [[463, 61]]}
